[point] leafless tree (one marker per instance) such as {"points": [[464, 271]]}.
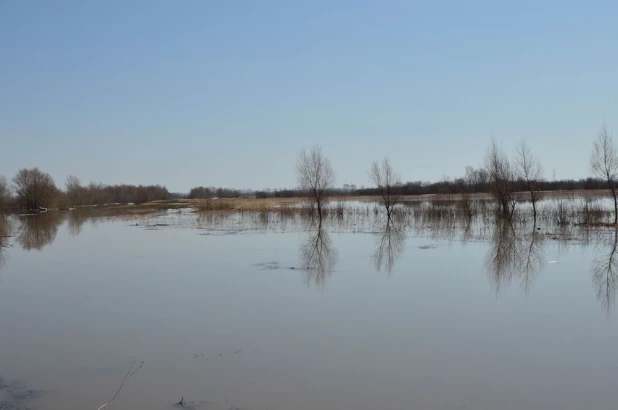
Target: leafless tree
{"points": [[5, 192], [604, 164], [500, 176], [529, 171], [475, 178], [76, 193], [315, 176], [387, 182], [35, 189]]}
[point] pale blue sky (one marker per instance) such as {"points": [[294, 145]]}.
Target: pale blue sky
{"points": [[187, 93]]}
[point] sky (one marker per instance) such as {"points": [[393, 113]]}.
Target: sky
{"points": [[226, 93]]}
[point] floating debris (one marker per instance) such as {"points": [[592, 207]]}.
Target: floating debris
{"points": [[267, 265], [188, 405], [427, 247], [132, 369]]}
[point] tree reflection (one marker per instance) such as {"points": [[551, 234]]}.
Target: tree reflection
{"points": [[38, 231], [389, 247], [5, 232], [2, 253], [605, 274], [503, 255], [467, 233], [318, 257], [77, 219], [532, 259], [511, 256]]}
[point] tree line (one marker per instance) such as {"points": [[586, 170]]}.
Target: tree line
{"points": [[448, 186], [33, 189], [458, 185], [501, 175], [201, 192]]}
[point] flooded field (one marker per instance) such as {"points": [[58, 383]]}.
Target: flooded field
{"points": [[440, 309]]}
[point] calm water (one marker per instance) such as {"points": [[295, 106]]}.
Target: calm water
{"points": [[293, 318]]}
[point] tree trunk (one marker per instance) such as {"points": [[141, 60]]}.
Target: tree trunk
{"points": [[533, 205], [611, 188], [615, 207]]}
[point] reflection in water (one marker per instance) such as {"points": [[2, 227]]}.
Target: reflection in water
{"points": [[502, 255], [511, 256], [5, 232], [605, 274], [76, 220], [318, 257], [389, 247], [532, 259], [38, 231]]}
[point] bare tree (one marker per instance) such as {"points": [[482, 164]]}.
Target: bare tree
{"points": [[529, 171], [75, 192], [604, 164], [476, 179], [387, 182], [315, 176], [500, 177], [35, 189], [5, 192]]}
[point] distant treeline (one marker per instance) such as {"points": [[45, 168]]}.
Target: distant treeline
{"points": [[100, 194], [201, 192], [460, 186], [33, 189], [456, 186]]}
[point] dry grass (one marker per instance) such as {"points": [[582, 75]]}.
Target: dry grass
{"points": [[210, 205], [241, 204], [573, 210], [258, 204]]}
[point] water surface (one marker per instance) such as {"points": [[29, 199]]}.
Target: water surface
{"points": [[286, 316]]}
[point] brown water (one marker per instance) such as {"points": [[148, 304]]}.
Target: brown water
{"points": [[294, 318]]}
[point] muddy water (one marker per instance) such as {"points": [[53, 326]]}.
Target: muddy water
{"points": [[303, 319]]}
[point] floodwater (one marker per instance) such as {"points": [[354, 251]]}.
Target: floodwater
{"points": [[236, 316]]}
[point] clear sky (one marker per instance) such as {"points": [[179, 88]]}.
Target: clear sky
{"points": [[226, 93]]}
